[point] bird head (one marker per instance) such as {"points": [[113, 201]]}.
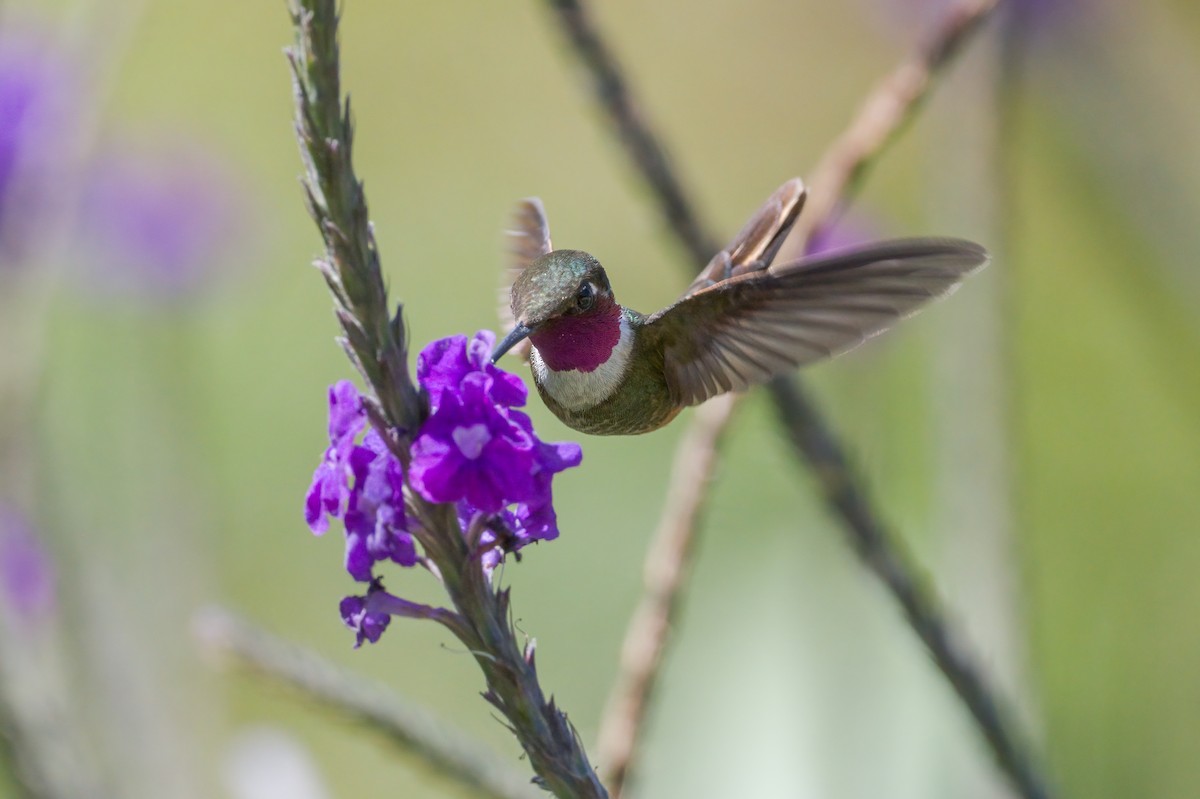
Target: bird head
{"points": [[561, 297]]}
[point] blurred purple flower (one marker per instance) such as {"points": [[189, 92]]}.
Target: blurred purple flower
{"points": [[26, 569], [849, 230], [34, 101], [1038, 15], [148, 222], [157, 223], [1043, 13]]}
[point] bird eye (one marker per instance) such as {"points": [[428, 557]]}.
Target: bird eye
{"points": [[586, 297]]}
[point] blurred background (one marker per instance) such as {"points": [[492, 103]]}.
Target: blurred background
{"points": [[165, 349]]}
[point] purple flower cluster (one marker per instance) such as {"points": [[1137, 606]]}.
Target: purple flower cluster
{"points": [[361, 484], [149, 218], [474, 450], [161, 220], [27, 575], [852, 229], [34, 93], [477, 450]]}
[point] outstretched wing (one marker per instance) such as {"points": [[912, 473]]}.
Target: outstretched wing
{"points": [[744, 330], [755, 245], [528, 240]]}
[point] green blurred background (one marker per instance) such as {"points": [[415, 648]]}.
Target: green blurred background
{"points": [[1036, 439]]}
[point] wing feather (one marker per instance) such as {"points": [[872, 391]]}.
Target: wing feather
{"points": [[528, 239], [755, 245], [753, 370], [747, 328]]}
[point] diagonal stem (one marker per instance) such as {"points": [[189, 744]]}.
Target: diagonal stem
{"points": [[641, 143], [413, 728], [886, 111], [889, 560], [665, 576], [883, 115]]}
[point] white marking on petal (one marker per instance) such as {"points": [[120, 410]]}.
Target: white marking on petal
{"points": [[576, 390], [471, 440]]}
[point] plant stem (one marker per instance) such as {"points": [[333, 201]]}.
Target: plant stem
{"points": [[665, 575], [377, 347]]}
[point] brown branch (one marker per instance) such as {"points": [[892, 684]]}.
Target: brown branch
{"points": [[886, 111], [665, 575]]}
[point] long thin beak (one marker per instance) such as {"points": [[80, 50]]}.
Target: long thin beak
{"points": [[518, 333]]}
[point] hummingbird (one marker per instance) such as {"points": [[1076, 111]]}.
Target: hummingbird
{"points": [[605, 369]]}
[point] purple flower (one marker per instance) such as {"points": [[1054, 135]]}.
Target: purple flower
{"points": [[851, 230], [536, 519], [477, 451], [1054, 13], [346, 415], [361, 484], [474, 450], [148, 221], [329, 494], [528, 521], [157, 221], [368, 616], [444, 363], [26, 570], [469, 448], [366, 622], [33, 115], [375, 520], [1039, 16]]}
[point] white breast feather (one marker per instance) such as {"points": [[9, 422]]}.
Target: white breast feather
{"points": [[576, 390]]}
